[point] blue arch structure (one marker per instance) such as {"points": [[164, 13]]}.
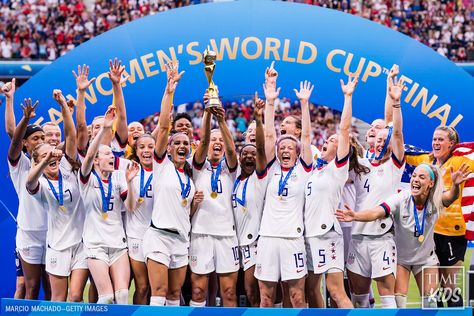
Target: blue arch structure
{"points": [[307, 42]]}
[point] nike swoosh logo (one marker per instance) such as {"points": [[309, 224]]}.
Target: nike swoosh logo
{"points": [[245, 262], [451, 259], [298, 271], [385, 268], [406, 216], [321, 265]]}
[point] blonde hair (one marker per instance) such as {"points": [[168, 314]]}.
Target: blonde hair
{"points": [[451, 131], [435, 197]]}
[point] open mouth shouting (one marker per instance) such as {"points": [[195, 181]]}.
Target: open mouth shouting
{"points": [[286, 157], [181, 152]]}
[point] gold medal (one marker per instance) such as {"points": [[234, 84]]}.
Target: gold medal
{"points": [[184, 202], [105, 215], [421, 238], [141, 200], [213, 195], [244, 209], [62, 208], [280, 198]]}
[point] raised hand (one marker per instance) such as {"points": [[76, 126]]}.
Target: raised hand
{"points": [[172, 73], [271, 74], [306, 88], [218, 112], [394, 71], [70, 105], [82, 81], [29, 108], [347, 215], [348, 89], [9, 88], [109, 117], [59, 97], [132, 171], [395, 88], [171, 86], [460, 175], [270, 91], [259, 107], [115, 71]]}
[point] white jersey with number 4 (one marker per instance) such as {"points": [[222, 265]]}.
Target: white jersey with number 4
{"points": [[99, 231], [64, 227], [168, 209], [283, 217], [323, 194], [372, 189], [214, 216]]}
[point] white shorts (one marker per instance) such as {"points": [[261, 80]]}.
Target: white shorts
{"points": [[372, 257], [327, 252], [248, 255], [31, 245], [105, 254], [281, 258], [347, 235], [309, 255], [432, 260], [62, 262], [135, 249], [165, 247], [213, 253]]}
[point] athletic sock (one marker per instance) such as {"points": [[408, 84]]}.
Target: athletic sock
{"points": [[371, 298], [121, 296], [361, 300], [401, 300], [106, 299], [429, 302], [172, 302], [278, 305], [388, 301], [157, 301], [197, 304]]}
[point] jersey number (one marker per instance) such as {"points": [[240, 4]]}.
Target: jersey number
{"points": [[148, 192], [309, 188], [367, 185], [386, 258], [299, 260], [70, 195], [246, 252], [235, 251], [322, 255]]}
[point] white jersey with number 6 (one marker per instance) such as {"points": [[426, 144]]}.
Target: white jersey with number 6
{"points": [[283, 217]]}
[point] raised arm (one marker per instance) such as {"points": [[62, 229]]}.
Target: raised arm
{"points": [[16, 144], [163, 128], [82, 83], [348, 215], [306, 88], [229, 146], [69, 128], [130, 173], [115, 75], [343, 144], [395, 93], [271, 93], [37, 170], [88, 162], [388, 111], [260, 135], [10, 122], [201, 151], [457, 177]]}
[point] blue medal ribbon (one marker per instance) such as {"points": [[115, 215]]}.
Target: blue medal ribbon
{"points": [[144, 188], [215, 176], [58, 195], [282, 182], [185, 189], [105, 198], [244, 191], [385, 145], [419, 229], [320, 163]]}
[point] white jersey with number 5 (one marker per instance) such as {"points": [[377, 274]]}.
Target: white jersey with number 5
{"points": [[323, 194], [98, 231], [372, 189], [284, 217], [214, 216]]}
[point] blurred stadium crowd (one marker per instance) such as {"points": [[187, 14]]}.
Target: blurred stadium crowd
{"points": [[47, 29]]}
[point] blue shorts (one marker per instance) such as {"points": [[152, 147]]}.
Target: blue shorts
{"points": [[19, 269]]}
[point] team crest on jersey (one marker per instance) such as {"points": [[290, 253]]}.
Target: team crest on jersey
{"points": [[193, 260], [351, 258], [380, 172]]}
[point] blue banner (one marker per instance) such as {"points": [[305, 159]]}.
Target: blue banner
{"points": [[307, 43]]}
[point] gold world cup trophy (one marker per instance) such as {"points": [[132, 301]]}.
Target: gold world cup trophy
{"points": [[209, 58]]}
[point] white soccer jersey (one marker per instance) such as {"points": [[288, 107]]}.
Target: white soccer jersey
{"points": [[323, 194], [32, 215], [138, 221], [214, 216], [64, 227], [348, 196], [284, 217], [168, 209], [374, 188], [248, 217], [100, 232], [410, 250], [117, 148]]}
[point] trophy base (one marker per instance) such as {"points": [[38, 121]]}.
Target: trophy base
{"points": [[213, 102]]}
